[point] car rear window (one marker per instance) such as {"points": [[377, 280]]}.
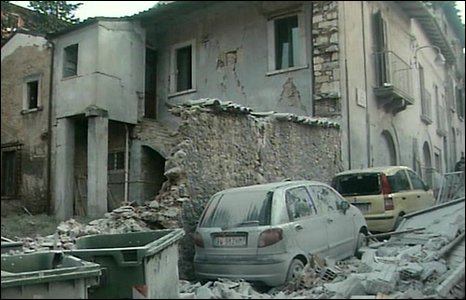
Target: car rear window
{"points": [[238, 208], [357, 184]]}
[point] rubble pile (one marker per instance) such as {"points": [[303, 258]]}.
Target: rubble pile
{"points": [[412, 264]]}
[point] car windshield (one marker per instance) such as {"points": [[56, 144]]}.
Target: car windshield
{"points": [[357, 184], [239, 208]]}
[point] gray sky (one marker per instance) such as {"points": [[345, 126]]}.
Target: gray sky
{"points": [[105, 8], [126, 8]]}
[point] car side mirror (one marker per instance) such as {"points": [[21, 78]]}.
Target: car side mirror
{"points": [[344, 206]]}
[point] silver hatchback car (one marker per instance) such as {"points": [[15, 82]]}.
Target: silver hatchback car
{"points": [[266, 233]]}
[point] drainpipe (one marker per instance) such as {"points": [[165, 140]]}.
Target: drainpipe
{"points": [[368, 125], [49, 138], [126, 162], [348, 123]]}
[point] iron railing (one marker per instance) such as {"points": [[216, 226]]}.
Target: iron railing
{"points": [[393, 72]]}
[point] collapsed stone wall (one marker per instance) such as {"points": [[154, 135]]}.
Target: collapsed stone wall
{"points": [[222, 149]]}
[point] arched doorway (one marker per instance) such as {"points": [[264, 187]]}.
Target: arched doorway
{"points": [[427, 174], [389, 145], [153, 168]]}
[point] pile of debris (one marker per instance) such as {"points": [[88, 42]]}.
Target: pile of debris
{"points": [[423, 259]]}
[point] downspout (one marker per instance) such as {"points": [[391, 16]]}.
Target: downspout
{"points": [[126, 162], [348, 131], [49, 138], [368, 126]]}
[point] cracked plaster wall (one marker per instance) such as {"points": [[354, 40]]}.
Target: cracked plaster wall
{"points": [[22, 57]]}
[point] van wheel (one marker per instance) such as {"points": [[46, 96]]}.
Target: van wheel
{"points": [[361, 242], [295, 269]]}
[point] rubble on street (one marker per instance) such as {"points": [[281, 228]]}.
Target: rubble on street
{"points": [[423, 259], [419, 264]]}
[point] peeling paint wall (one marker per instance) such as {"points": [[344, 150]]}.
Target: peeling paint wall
{"points": [[233, 56], [22, 57], [223, 150]]}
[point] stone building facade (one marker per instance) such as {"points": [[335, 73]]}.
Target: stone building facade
{"points": [[26, 69]]}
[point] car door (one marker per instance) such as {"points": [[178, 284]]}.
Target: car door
{"points": [[339, 225], [404, 198], [423, 196], [308, 225]]}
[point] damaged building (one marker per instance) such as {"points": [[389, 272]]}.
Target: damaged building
{"points": [[185, 99]]}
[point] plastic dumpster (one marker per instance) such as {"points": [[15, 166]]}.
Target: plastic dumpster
{"points": [[50, 274], [7, 245], [134, 265]]}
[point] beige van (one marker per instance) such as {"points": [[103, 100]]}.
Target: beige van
{"points": [[384, 194]]}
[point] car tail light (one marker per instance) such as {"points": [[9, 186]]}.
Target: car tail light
{"points": [[386, 190], [269, 237], [388, 203], [198, 241]]}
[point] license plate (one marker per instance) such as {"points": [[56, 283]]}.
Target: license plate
{"points": [[363, 207], [229, 241]]}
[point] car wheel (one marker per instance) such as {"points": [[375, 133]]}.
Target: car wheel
{"points": [[295, 269], [361, 242]]}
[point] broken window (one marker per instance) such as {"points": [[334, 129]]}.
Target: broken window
{"points": [[32, 94], [9, 173], [70, 61], [116, 161], [286, 42], [184, 68]]}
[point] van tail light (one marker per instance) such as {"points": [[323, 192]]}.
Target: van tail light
{"points": [[386, 190], [269, 237], [198, 241], [388, 203]]}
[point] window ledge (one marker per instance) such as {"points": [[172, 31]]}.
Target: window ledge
{"points": [[31, 110], [271, 73], [441, 132], [182, 93], [426, 119], [70, 77]]}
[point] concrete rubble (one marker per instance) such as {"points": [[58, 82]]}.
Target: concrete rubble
{"points": [[409, 265]]}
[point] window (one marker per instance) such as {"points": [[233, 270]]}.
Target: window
{"points": [[116, 161], [10, 173], [183, 68], [399, 182], [426, 105], [459, 102], [415, 181], [379, 29], [286, 42], [31, 93], [70, 61], [298, 203], [150, 100], [325, 199]]}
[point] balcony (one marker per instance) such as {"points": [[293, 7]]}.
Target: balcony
{"points": [[393, 82]]}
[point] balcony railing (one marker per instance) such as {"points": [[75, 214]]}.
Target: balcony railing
{"points": [[393, 80]]}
